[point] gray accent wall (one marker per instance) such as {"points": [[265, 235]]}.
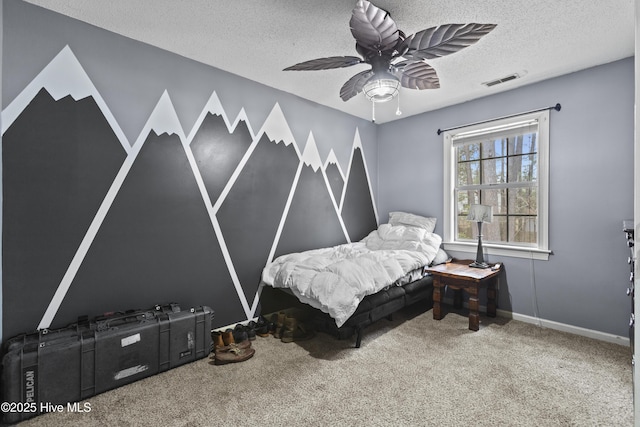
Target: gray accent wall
{"points": [[133, 176], [584, 282]]}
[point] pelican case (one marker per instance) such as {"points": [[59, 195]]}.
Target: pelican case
{"points": [[49, 368]]}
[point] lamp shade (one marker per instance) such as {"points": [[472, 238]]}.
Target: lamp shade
{"points": [[480, 213]]}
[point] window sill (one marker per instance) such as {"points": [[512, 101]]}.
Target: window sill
{"points": [[499, 250]]}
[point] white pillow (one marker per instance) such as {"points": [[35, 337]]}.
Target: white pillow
{"points": [[411, 220], [441, 257]]}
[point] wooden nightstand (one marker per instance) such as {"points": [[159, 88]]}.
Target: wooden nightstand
{"points": [[459, 276]]}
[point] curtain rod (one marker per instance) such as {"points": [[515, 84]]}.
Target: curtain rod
{"points": [[556, 107]]}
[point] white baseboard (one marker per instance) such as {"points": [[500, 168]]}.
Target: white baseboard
{"points": [[589, 333], [563, 327]]}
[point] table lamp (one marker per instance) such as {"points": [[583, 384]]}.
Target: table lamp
{"points": [[480, 214]]}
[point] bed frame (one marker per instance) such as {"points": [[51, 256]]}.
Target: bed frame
{"points": [[371, 309]]}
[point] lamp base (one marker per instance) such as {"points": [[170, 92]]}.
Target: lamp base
{"points": [[476, 264]]}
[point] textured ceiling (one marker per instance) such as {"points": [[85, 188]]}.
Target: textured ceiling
{"points": [[256, 39]]}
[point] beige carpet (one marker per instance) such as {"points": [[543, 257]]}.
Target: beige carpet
{"points": [[409, 371]]}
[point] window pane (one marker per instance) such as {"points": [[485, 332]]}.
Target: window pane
{"points": [[495, 231], [523, 201], [494, 171], [523, 229], [494, 148], [464, 228], [466, 198], [468, 152], [523, 144], [496, 198], [469, 173], [523, 168]]}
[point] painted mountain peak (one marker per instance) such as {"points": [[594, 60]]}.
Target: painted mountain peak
{"points": [[333, 160], [357, 207], [357, 142], [63, 76], [242, 118], [277, 129], [218, 147], [213, 107], [311, 218], [163, 119], [310, 156]]}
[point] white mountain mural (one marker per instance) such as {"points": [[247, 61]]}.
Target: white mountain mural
{"points": [[63, 76], [311, 219], [170, 217]]}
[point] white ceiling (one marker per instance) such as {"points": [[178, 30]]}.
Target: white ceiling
{"points": [[256, 39]]}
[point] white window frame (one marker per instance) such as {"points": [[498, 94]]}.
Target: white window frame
{"points": [[541, 250]]}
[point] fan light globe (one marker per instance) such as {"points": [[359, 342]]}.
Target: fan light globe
{"points": [[381, 90]]}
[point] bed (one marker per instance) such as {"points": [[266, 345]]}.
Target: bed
{"points": [[355, 284]]}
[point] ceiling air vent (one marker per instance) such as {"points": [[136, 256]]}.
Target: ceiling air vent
{"points": [[502, 80]]}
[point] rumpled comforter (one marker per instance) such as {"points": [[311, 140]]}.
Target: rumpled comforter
{"points": [[336, 279]]}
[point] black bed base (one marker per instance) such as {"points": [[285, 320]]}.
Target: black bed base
{"points": [[372, 308]]}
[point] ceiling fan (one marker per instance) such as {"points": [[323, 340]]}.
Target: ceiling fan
{"points": [[396, 60]]}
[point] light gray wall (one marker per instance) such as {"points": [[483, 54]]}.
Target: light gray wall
{"points": [[591, 191]]}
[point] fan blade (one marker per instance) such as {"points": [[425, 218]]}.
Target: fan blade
{"points": [[373, 27], [325, 63], [354, 85], [416, 75], [443, 40], [400, 46]]}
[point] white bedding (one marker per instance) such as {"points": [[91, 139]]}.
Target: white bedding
{"points": [[336, 279]]}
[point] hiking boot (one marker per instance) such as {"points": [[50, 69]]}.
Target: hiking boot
{"points": [[216, 337], [273, 324], [295, 331], [234, 355], [223, 342], [240, 333], [262, 327], [251, 330], [279, 324]]}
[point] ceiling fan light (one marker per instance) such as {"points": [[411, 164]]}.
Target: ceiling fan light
{"points": [[381, 90]]}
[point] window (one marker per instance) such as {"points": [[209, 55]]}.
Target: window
{"points": [[503, 163]]}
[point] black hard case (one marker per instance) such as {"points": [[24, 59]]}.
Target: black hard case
{"points": [[87, 358]]}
